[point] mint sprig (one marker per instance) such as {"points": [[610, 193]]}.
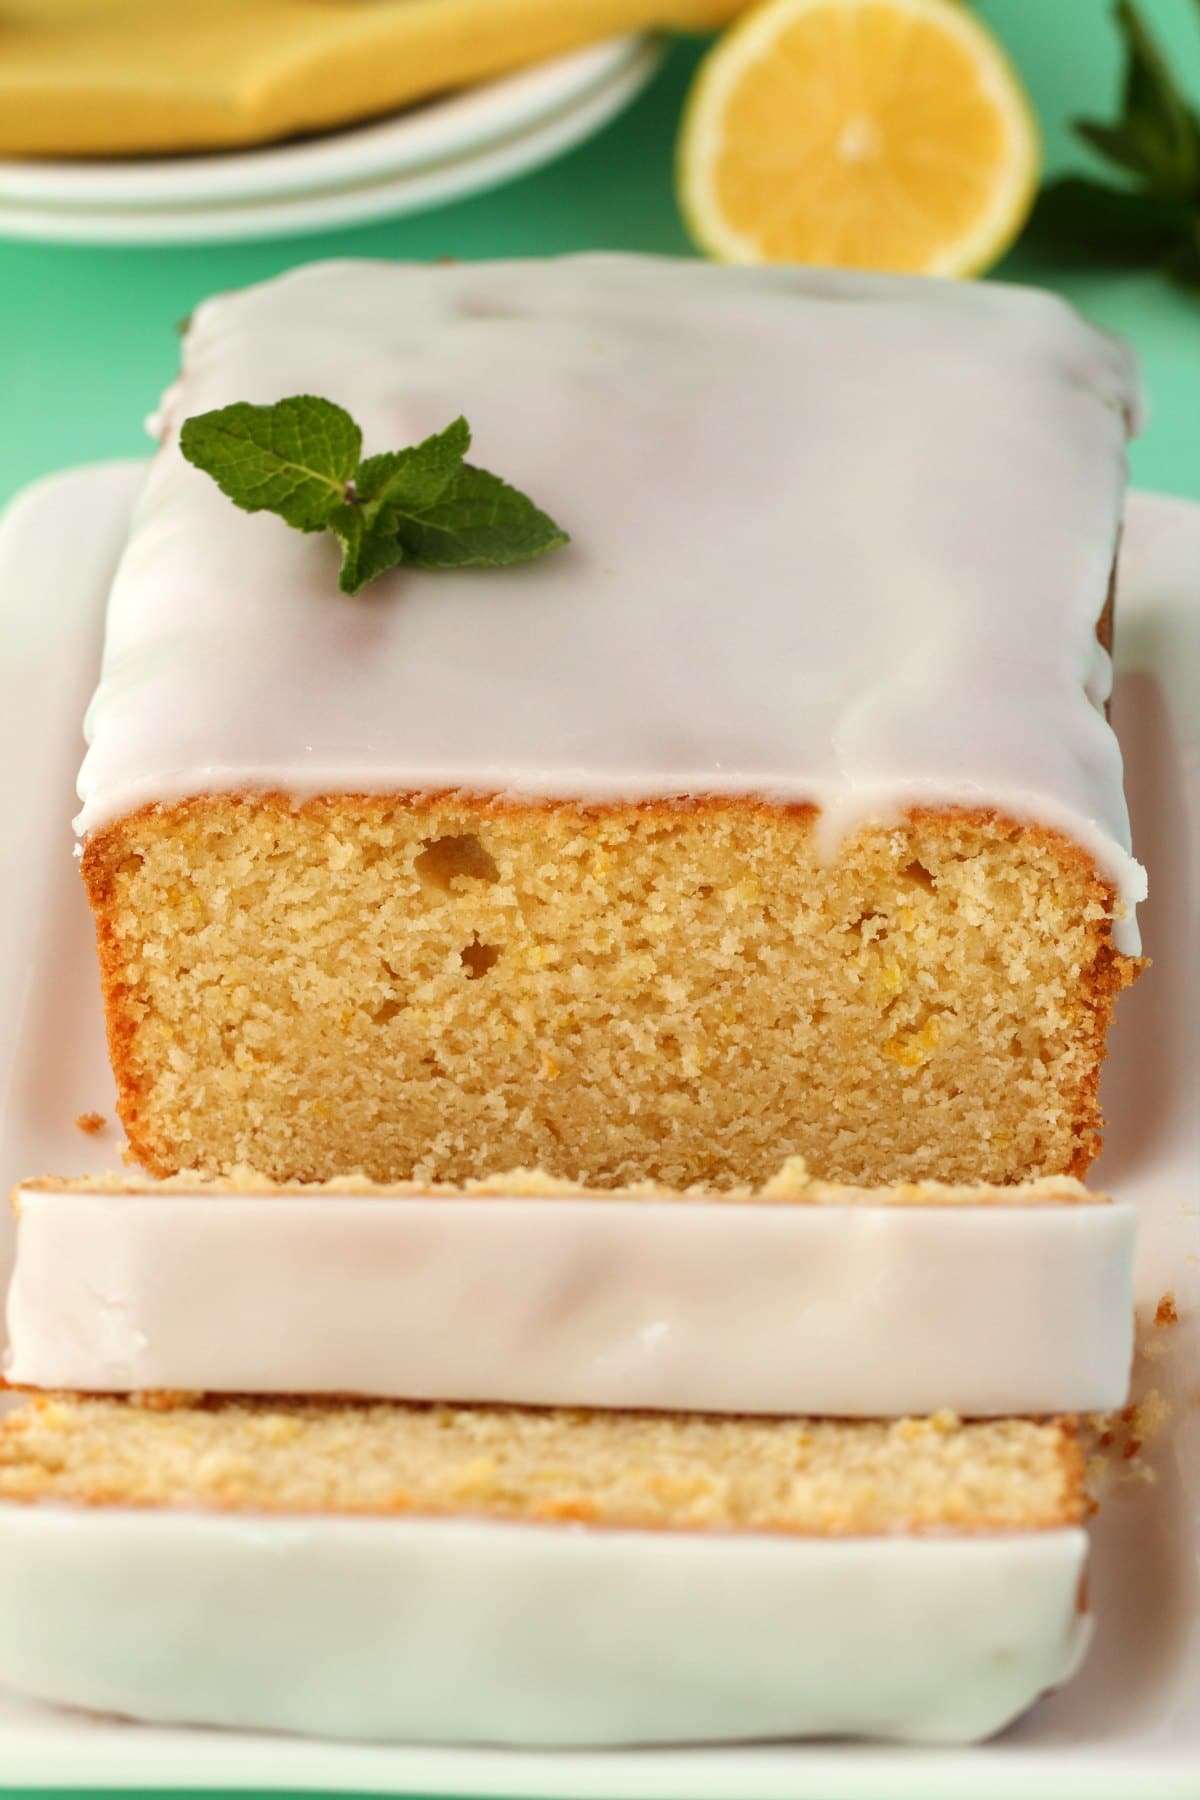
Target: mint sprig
{"points": [[1154, 218], [424, 506]]}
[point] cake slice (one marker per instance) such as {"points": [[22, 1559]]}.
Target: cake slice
{"points": [[401, 1572], [801, 1297], [778, 813]]}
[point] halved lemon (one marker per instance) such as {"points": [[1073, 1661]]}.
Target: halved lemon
{"points": [[860, 134]]}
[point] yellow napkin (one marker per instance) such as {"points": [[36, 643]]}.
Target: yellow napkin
{"points": [[112, 77]]}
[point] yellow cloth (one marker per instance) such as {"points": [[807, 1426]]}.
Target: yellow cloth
{"points": [[111, 77]]}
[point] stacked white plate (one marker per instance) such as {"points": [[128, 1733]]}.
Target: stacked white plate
{"points": [[419, 158]]}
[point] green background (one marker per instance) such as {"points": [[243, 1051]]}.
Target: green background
{"points": [[87, 336]]}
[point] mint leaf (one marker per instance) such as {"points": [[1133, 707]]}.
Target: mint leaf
{"points": [[418, 476], [1155, 222], [1183, 265], [476, 520], [1114, 223], [366, 526], [368, 548], [295, 458], [448, 514], [1158, 135], [423, 505]]}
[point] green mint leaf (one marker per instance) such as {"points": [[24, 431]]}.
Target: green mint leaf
{"points": [[415, 477], [477, 520], [1158, 135], [1183, 265], [369, 547], [367, 528], [295, 458], [1117, 224], [423, 505], [448, 514]]}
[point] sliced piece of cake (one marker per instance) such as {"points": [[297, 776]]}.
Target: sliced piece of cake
{"points": [[800, 1298], [776, 813], [425, 1573]]}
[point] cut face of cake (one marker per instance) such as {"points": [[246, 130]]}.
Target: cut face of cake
{"points": [[802, 1298], [778, 813], [484, 1574]]}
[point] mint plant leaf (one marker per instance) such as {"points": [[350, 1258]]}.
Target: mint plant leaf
{"points": [[477, 520], [1183, 265], [448, 514], [418, 476], [295, 458], [369, 547], [1158, 135], [1156, 220], [1114, 223], [422, 505]]}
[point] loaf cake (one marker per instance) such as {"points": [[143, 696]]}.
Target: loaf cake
{"points": [[799, 1298], [537, 1577], [776, 814]]}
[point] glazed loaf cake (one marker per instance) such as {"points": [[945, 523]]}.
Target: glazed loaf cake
{"points": [[776, 814], [562, 1577]]}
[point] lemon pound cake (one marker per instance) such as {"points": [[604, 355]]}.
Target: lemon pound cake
{"points": [[801, 1298], [390, 1572], [777, 813]]}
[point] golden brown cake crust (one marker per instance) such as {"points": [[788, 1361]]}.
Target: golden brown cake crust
{"points": [[1067, 872]]}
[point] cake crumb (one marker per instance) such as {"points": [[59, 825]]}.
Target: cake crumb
{"points": [[91, 1123], [1120, 1440], [716, 942], [687, 1472], [1150, 1415], [1167, 1312]]}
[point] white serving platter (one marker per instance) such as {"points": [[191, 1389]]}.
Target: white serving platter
{"points": [[1130, 1725], [412, 138], [426, 157]]}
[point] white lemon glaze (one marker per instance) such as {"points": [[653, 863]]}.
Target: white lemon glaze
{"points": [[458, 1631], [855, 1309], [835, 538]]}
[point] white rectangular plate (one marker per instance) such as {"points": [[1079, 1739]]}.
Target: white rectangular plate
{"points": [[1130, 1725]]}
